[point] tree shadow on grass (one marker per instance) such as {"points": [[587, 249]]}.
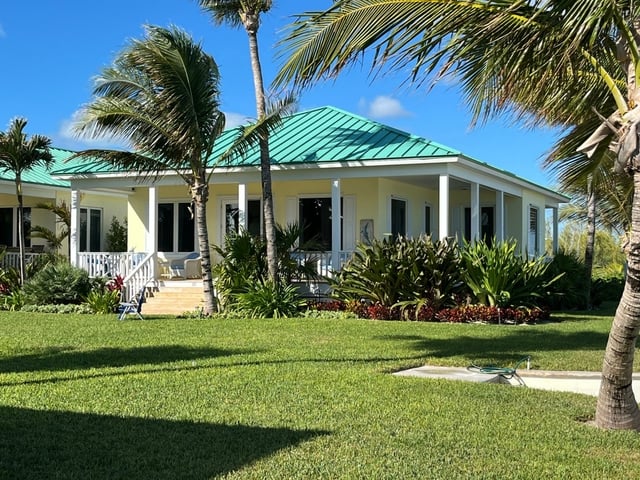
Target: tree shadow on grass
{"points": [[509, 347], [68, 358], [43, 444]]}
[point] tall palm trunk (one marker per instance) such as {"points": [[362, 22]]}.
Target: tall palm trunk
{"points": [[21, 246], [591, 238], [251, 23], [200, 195], [617, 407]]}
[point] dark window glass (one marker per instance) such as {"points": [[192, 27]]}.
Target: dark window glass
{"points": [[427, 219], [254, 222], [84, 222], [6, 227], [398, 218], [315, 218], [486, 225], [165, 227], [185, 228], [95, 229]]}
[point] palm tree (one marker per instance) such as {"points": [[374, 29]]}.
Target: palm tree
{"points": [[63, 218], [504, 54], [19, 154], [246, 14], [162, 96]]}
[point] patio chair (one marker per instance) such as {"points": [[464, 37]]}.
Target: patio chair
{"points": [[133, 306], [186, 267]]}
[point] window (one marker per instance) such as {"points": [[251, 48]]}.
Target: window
{"points": [[254, 217], [533, 231], [90, 229], [9, 226], [314, 215], [427, 219], [398, 218], [176, 227], [487, 230]]}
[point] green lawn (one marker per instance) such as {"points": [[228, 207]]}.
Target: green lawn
{"points": [[90, 397]]}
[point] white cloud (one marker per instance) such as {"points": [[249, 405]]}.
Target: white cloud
{"points": [[236, 119], [384, 107], [67, 138]]}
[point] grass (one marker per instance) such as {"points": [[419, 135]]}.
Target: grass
{"points": [[90, 397]]}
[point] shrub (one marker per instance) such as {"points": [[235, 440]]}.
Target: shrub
{"points": [[498, 276], [491, 314], [269, 300], [57, 308], [58, 283], [568, 291], [103, 301], [402, 272], [116, 237], [243, 264], [606, 289]]}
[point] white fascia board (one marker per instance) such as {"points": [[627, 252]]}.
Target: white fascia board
{"points": [[508, 178], [31, 190]]}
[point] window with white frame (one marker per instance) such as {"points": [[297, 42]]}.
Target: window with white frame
{"points": [[176, 227], [533, 246], [90, 225], [253, 213], [9, 226], [314, 215], [398, 218]]}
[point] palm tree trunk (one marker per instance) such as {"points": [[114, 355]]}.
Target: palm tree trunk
{"points": [[200, 195], [617, 407], [265, 160], [21, 246], [591, 239]]}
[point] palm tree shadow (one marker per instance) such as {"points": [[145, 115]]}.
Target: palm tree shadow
{"points": [[61, 358], [44, 444], [509, 347]]}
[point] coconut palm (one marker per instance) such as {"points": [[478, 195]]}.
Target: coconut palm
{"points": [[19, 154], [161, 96], [246, 14], [54, 238], [504, 54]]}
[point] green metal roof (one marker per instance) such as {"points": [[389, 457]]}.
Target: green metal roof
{"points": [[40, 175], [325, 134]]}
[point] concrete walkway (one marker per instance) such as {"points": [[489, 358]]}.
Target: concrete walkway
{"points": [[587, 383]]}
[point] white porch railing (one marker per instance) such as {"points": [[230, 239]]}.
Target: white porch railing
{"points": [[140, 276], [12, 259], [109, 264], [322, 260]]}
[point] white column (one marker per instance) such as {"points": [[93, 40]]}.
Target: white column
{"points": [[475, 211], [152, 221], [336, 232], [242, 206], [555, 230], [443, 207], [74, 234], [152, 227], [500, 216]]}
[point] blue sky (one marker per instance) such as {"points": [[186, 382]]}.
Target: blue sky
{"points": [[52, 50]]}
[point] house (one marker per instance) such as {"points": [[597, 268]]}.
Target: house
{"points": [[39, 186], [384, 182]]}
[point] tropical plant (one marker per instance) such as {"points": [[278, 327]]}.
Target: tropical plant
{"points": [[246, 14], [505, 54], [162, 96], [57, 284], [243, 262], [103, 301], [498, 276], [63, 217], [403, 272], [267, 299], [19, 154]]}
